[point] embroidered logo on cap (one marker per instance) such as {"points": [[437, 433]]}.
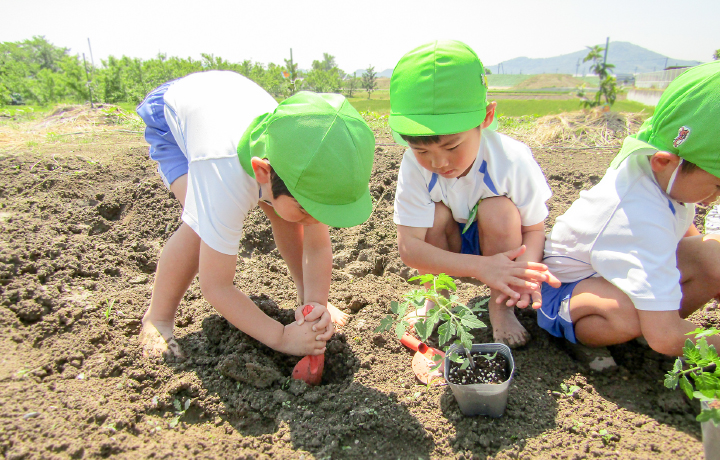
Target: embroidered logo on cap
{"points": [[682, 136]]}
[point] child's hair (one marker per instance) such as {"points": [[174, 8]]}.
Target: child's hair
{"points": [[277, 185], [422, 140], [688, 166]]}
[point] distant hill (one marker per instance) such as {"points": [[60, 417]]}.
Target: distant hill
{"points": [[385, 73], [628, 59]]}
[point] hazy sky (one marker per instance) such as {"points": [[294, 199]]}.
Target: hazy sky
{"points": [[365, 32]]}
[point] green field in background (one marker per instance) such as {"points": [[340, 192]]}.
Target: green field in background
{"points": [[514, 107]]}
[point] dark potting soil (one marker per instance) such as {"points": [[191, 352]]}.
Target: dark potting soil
{"points": [[489, 368]]}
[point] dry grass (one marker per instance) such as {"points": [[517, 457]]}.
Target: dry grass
{"points": [[77, 122], [586, 129]]}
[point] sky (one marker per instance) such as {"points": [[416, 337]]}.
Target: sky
{"points": [[361, 33]]}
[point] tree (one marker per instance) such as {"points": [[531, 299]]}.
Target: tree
{"points": [[351, 85], [325, 76], [369, 80], [608, 84], [716, 54]]}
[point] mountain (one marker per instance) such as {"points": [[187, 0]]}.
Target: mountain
{"points": [[628, 59], [385, 73]]}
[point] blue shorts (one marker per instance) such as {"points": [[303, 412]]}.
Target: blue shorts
{"points": [[172, 162], [554, 315], [470, 239]]}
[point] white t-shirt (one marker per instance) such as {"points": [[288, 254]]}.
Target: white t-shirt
{"points": [[626, 230], [503, 167], [207, 113]]}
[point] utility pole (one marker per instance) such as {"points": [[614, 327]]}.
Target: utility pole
{"points": [[607, 45], [87, 75]]}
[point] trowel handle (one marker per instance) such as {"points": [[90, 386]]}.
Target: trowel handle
{"points": [[307, 309], [413, 343]]}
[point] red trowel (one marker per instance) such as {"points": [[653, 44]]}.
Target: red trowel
{"points": [[310, 368], [423, 360]]}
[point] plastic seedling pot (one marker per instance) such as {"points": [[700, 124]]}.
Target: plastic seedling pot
{"points": [[482, 398], [711, 437]]}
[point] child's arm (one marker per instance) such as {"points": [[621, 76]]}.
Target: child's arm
{"points": [[665, 331], [498, 272], [317, 272], [217, 271]]}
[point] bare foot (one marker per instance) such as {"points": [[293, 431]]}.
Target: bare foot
{"points": [[506, 327], [157, 340], [338, 317]]}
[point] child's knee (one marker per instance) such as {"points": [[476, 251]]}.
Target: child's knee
{"points": [[498, 219], [444, 227]]}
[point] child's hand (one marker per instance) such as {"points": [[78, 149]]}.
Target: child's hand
{"points": [[319, 316], [512, 278], [530, 296], [301, 340]]}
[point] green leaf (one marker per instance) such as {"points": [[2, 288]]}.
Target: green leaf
{"points": [[709, 415], [385, 324], [707, 381], [400, 328], [402, 309], [187, 404], [437, 358], [466, 339], [446, 282], [456, 358], [436, 366], [686, 386], [471, 321], [176, 403], [478, 306], [690, 352], [422, 331], [422, 278], [671, 381], [394, 306], [465, 364], [677, 367], [174, 421], [445, 332]]}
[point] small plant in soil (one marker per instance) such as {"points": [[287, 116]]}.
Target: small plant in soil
{"points": [[109, 304], [180, 410], [699, 376], [485, 368], [456, 320]]}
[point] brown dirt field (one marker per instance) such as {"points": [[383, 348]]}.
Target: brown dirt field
{"points": [[83, 218]]}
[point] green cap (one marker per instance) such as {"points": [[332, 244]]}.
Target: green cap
{"points": [[686, 121], [323, 150], [438, 88]]}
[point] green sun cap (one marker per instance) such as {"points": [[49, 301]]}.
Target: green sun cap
{"points": [[323, 150], [438, 88], [686, 120]]}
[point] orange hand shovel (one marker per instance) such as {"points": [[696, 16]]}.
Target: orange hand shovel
{"points": [[310, 368], [423, 360]]}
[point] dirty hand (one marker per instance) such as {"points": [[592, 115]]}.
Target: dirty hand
{"points": [[500, 272], [301, 340], [319, 317]]}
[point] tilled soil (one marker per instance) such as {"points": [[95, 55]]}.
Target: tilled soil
{"points": [[82, 224]]}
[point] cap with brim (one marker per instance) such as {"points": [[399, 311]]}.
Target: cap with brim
{"points": [[686, 121], [323, 150], [438, 88]]}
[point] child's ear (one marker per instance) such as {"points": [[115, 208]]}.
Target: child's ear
{"points": [[261, 168], [489, 115], [662, 160]]}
